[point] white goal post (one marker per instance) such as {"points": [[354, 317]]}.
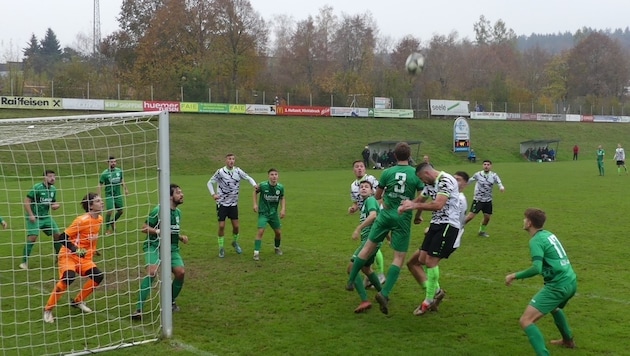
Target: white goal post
{"points": [[78, 148]]}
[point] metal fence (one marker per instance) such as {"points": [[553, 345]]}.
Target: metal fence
{"points": [[190, 92]]}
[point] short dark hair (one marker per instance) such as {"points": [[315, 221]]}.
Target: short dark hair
{"points": [[111, 158], [229, 154], [423, 166], [463, 174], [402, 151], [48, 171], [173, 188], [366, 182], [536, 216], [87, 200], [357, 161], [487, 160], [272, 170]]}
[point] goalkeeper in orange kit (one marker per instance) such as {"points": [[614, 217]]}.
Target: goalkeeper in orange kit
{"points": [[79, 242]]}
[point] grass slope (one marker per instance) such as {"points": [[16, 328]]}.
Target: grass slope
{"points": [[295, 304]]}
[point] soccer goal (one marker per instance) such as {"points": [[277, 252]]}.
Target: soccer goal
{"points": [[77, 149]]}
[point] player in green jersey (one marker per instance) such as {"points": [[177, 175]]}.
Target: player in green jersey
{"points": [[600, 159], [369, 211], [271, 196], [151, 249], [397, 183], [4, 223], [112, 180], [550, 260], [39, 200]]}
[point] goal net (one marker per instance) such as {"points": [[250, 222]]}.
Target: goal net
{"points": [[77, 149]]}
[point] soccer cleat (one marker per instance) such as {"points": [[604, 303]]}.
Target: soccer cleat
{"points": [[423, 308], [174, 307], [382, 279], [23, 265], [137, 315], [48, 317], [278, 251], [383, 302], [237, 248], [366, 282], [437, 299], [221, 252], [569, 344], [483, 234], [350, 286], [256, 256], [80, 305], [365, 305]]}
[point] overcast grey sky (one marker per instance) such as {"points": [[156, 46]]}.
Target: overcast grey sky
{"points": [[423, 19]]}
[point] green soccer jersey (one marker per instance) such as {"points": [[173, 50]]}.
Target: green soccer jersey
{"points": [[112, 180], [270, 197], [399, 183], [154, 221], [41, 196], [369, 205], [600, 155], [556, 269]]}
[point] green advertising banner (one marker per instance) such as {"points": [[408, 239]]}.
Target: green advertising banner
{"points": [[214, 108], [238, 108], [123, 105], [394, 113], [188, 107], [25, 102]]}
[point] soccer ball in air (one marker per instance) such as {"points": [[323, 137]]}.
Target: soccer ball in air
{"points": [[414, 63]]}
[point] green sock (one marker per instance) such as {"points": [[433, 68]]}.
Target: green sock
{"points": [[433, 277], [145, 291], [358, 285], [118, 215], [28, 248], [57, 246], [378, 262], [536, 339], [221, 240], [108, 221], [176, 287], [356, 267], [482, 228], [276, 242], [257, 244], [392, 277], [373, 277], [563, 326], [235, 237], [618, 170]]}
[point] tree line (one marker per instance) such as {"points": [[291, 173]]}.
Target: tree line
{"points": [[223, 49]]}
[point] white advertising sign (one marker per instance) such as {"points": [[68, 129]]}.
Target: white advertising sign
{"points": [[449, 108]]}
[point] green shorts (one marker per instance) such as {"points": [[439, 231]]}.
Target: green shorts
{"points": [[116, 202], [273, 220], [551, 297], [47, 225], [152, 256], [399, 225]]}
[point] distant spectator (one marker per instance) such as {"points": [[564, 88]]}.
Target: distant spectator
{"points": [[366, 156], [472, 156], [552, 154], [426, 159], [576, 150], [391, 158]]}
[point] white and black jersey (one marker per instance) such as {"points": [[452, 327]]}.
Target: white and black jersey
{"points": [[485, 183], [446, 185], [354, 188], [228, 182], [620, 154]]}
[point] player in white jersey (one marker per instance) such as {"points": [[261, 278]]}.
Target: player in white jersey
{"points": [[620, 157], [482, 200], [228, 181], [439, 241], [359, 169]]}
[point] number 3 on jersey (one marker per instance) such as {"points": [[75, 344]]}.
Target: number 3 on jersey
{"points": [[401, 179]]}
